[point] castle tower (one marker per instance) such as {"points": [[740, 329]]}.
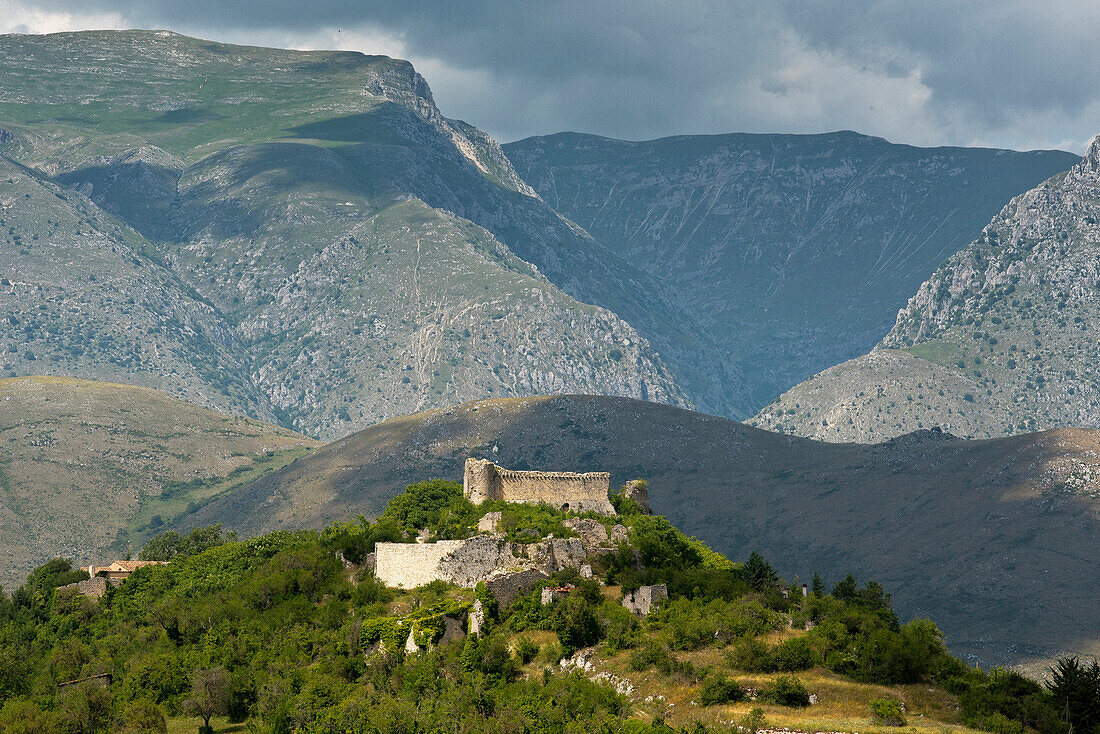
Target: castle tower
{"points": [[480, 481]]}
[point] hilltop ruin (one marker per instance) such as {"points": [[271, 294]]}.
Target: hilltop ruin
{"points": [[483, 480]]}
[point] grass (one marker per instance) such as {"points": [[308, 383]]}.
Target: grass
{"points": [[173, 502], [943, 353], [191, 725]]}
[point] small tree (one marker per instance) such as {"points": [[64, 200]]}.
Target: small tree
{"points": [[210, 691], [818, 586], [758, 574], [1075, 689], [887, 711]]}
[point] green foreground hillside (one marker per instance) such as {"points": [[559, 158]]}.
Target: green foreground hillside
{"points": [[279, 634]]}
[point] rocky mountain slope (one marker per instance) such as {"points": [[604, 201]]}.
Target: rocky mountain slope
{"points": [[80, 460], [310, 237], [998, 341], [993, 545], [794, 251]]}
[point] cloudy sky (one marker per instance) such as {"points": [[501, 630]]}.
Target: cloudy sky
{"points": [[1011, 73]]}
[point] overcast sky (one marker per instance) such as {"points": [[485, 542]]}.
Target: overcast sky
{"points": [[1007, 73]]}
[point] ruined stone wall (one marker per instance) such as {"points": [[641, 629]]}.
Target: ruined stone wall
{"points": [[408, 565], [485, 480]]}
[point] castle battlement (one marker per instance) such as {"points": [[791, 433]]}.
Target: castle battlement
{"points": [[483, 480]]}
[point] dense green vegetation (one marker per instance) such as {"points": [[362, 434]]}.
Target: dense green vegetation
{"points": [[277, 632]]}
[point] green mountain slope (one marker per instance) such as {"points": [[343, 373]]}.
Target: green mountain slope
{"points": [[998, 341], [80, 460], [794, 251], [991, 544], [243, 168]]}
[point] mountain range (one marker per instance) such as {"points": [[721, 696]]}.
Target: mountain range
{"points": [[302, 237], [795, 252], [997, 341]]}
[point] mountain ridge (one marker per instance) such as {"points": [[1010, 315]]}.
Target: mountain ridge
{"points": [[792, 249], [1003, 324], [234, 167]]}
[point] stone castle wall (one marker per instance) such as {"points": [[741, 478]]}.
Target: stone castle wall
{"points": [[483, 480], [408, 565]]}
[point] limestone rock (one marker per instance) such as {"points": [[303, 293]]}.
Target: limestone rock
{"points": [[476, 619], [593, 534], [488, 522]]}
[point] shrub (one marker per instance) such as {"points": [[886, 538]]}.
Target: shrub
{"points": [[887, 712], [142, 717], [794, 654], [718, 689], [786, 691], [526, 650], [621, 627], [753, 721], [750, 655]]}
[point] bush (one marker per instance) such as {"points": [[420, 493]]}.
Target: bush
{"points": [[718, 689], [786, 691], [142, 717], [750, 655], [526, 650], [753, 721], [794, 654], [887, 712]]}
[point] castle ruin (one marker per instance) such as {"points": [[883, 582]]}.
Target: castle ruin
{"points": [[483, 480]]}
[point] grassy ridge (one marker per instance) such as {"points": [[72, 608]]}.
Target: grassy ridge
{"points": [[80, 460]]}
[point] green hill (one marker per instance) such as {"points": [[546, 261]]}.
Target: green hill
{"points": [[989, 538], [80, 461], [279, 633]]}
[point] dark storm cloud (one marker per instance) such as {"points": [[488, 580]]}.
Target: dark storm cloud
{"points": [[1007, 73]]}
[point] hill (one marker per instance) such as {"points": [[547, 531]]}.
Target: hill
{"points": [[296, 631], [997, 341], [795, 252], [81, 460], [300, 236], [992, 543]]}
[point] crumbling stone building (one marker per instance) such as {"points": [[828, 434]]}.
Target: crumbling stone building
{"points": [[483, 480]]}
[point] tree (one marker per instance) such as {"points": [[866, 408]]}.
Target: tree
{"points": [[818, 586], [169, 544], [758, 574], [845, 589], [210, 691], [1076, 692]]}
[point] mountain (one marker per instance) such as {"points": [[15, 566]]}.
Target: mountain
{"points": [[793, 251], [300, 236], [993, 544], [80, 460], [997, 341]]}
